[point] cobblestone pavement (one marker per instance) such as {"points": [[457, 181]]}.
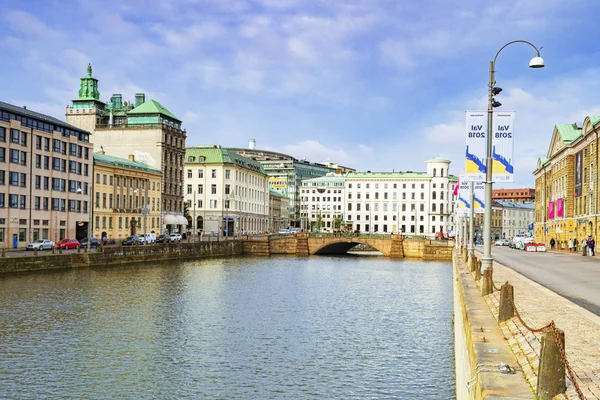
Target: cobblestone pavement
{"points": [[538, 306]]}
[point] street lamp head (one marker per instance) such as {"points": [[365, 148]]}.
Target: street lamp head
{"points": [[496, 103], [496, 90], [537, 62]]}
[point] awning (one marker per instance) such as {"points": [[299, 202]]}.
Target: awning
{"points": [[171, 219], [181, 220]]}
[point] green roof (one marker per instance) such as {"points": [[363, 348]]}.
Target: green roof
{"points": [[594, 119], [329, 178], [439, 159], [219, 155], [388, 175], [123, 163], [152, 107], [568, 132], [274, 192]]}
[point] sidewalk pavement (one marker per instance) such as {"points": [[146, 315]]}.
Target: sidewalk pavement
{"points": [[538, 306]]}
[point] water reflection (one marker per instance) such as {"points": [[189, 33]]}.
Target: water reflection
{"points": [[318, 327]]}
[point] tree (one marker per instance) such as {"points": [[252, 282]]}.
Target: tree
{"points": [[337, 222], [186, 210], [320, 222]]}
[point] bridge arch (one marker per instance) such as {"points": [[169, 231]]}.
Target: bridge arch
{"points": [[343, 245]]}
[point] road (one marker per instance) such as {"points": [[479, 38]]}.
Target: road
{"points": [[572, 276]]}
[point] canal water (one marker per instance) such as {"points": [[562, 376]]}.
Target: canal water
{"points": [[235, 328]]}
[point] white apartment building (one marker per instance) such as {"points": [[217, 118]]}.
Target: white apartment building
{"points": [[516, 218], [227, 194], [322, 203], [385, 202], [279, 211]]}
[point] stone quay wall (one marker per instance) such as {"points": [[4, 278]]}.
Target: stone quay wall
{"points": [[480, 346], [120, 255]]}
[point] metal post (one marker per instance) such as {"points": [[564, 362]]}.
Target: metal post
{"points": [[146, 209], [486, 259], [472, 220]]}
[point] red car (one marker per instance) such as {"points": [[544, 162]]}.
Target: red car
{"points": [[69, 244]]}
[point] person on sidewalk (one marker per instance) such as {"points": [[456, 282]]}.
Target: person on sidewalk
{"points": [[591, 245], [584, 247], [575, 243], [570, 245], [552, 243]]}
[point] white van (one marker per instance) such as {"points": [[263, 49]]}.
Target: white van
{"points": [[148, 238]]}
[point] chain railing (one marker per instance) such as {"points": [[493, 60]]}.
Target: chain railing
{"points": [[563, 355]]}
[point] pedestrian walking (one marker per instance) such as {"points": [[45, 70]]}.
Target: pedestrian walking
{"points": [[570, 245], [591, 246], [552, 243], [575, 243], [584, 247]]}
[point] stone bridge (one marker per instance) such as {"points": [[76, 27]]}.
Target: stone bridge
{"points": [[394, 246]]}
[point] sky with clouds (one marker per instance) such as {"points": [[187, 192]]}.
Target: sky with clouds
{"points": [[377, 85]]}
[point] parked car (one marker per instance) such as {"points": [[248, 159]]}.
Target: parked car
{"points": [[175, 237], [132, 241], [148, 238], [502, 242], [163, 239], [69, 244], [95, 242], [40, 244], [284, 231]]}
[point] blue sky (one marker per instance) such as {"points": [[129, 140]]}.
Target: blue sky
{"points": [[378, 85]]}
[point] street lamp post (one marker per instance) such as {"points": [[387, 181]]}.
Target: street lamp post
{"points": [[471, 220], [536, 62]]}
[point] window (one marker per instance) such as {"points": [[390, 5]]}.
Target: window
{"points": [[200, 173], [14, 136], [227, 174], [189, 172], [227, 189], [189, 189], [213, 173], [2, 134], [213, 189], [200, 189]]}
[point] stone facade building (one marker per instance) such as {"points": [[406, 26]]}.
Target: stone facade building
{"points": [[127, 197], [143, 128], [566, 184], [226, 193], [45, 178], [279, 211]]}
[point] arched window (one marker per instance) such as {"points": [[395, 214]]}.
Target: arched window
{"points": [[433, 207], [433, 195], [434, 172], [441, 208], [442, 172], [441, 195]]}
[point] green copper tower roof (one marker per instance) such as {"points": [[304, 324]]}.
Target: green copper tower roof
{"points": [[105, 159], [89, 86], [152, 107]]}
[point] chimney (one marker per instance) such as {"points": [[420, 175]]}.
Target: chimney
{"points": [[116, 101], [102, 150], [132, 157], [140, 98], [252, 144]]}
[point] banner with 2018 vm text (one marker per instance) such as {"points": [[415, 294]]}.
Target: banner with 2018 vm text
{"points": [[502, 146]]}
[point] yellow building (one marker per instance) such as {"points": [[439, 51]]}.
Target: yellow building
{"points": [[122, 189], [566, 184]]}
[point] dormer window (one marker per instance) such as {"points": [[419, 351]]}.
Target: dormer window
{"points": [[201, 159], [191, 159]]}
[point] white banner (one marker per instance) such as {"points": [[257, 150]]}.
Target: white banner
{"points": [[476, 146], [479, 197], [502, 146], [464, 197]]}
